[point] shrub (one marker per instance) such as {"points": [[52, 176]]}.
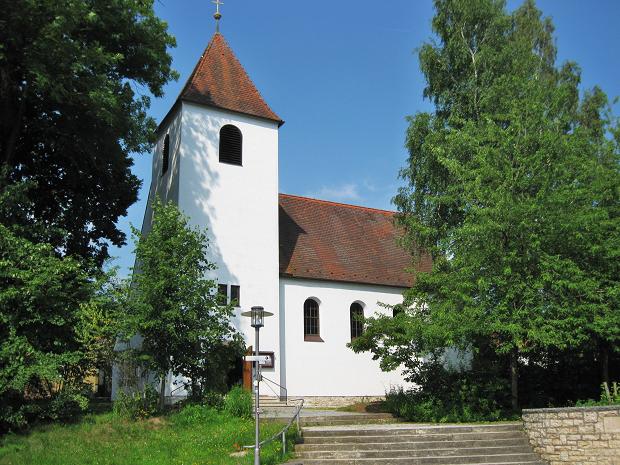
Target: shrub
{"points": [[609, 396], [66, 405], [238, 403], [136, 405], [214, 400], [463, 402]]}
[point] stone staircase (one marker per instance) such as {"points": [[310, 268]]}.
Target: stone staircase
{"points": [[411, 444]]}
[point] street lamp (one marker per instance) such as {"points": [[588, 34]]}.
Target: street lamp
{"points": [[258, 315]]}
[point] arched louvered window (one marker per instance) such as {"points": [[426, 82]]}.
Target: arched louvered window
{"points": [[311, 321], [165, 161], [231, 142], [356, 313], [397, 310]]}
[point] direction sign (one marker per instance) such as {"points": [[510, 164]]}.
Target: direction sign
{"points": [[261, 359]]}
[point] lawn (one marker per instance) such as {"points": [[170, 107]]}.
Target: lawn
{"points": [[194, 436]]}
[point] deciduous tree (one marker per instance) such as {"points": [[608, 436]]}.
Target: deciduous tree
{"points": [[75, 79], [512, 186], [174, 307]]}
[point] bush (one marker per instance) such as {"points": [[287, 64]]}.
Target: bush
{"points": [[214, 400], [609, 396], [238, 403], [463, 401], [17, 414], [136, 405]]}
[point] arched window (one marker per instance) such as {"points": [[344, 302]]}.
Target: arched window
{"points": [[356, 313], [397, 310], [165, 161], [311, 321], [231, 142]]}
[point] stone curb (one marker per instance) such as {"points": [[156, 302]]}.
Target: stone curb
{"points": [[606, 408]]}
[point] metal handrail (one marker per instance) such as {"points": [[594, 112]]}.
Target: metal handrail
{"points": [[264, 378], [283, 431]]}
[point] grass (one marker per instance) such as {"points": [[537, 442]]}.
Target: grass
{"points": [[195, 436]]}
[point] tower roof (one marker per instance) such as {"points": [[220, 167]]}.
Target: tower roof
{"points": [[219, 80]]}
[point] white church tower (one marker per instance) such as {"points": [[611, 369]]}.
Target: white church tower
{"points": [[217, 159]]}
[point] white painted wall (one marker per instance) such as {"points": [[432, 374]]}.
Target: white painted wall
{"points": [[330, 368], [166, 187], [239, 206]]}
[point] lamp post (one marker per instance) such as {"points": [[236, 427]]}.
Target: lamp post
{"points": [[258, 315]]}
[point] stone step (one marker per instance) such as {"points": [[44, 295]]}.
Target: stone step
{"points": [[408, 437], [340, 420], [404, 461], [454, 460], [456, 431], [403, 453], [410, 445]]}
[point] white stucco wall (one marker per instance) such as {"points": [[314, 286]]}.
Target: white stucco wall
{"points": [[330, 368], [166, 187], [239, 206]]}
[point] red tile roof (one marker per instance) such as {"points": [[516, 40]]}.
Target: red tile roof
{"points": [[219, 80], [338, 242]]}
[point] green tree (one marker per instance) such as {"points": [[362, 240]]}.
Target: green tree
{"points": [[74, 80], [503, 181], [174, 307], [41, 357]]}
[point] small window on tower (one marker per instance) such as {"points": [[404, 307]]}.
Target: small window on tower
{"points": [[231, 142], [222, 294], [165, 155], [235, 295]]}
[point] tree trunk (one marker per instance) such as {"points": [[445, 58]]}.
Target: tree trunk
{"points": [[514, 379], [604, 357], [162, 392]]}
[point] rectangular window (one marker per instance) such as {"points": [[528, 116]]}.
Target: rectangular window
{"points": [[235, 295], [222, 294]]}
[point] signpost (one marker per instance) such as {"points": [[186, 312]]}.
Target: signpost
{"points": [[257, 314]]}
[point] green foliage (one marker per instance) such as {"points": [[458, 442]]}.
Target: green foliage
{"points": [[609, 396], [214, 400], [463, 402], [136, 405], [41, 357], [453, 395], [195, 435], [513, 187], [74, 99], [238, 403], [174, 308]]}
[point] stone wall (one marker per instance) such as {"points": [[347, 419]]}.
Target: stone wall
{"points": [[580, 435]]}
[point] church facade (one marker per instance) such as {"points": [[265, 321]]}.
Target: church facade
{"points": [[315, 264]]}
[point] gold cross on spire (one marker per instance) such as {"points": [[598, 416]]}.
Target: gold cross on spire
{"points": [[217, 14]]}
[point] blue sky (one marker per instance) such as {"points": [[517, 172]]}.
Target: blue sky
{"points": [[344, 75]]}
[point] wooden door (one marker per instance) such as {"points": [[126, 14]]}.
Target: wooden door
{"points": [[247, 372]]}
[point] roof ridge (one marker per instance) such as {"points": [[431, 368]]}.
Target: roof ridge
{"points": [[339, 204]]}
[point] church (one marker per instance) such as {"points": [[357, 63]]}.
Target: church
{"points": [[315, 264]]}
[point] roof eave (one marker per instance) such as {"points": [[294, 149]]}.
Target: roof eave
{"points": [[202, 104], [366, 283]]}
